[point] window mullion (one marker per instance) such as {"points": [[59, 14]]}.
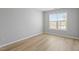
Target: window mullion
{"points": [[57, 23]]}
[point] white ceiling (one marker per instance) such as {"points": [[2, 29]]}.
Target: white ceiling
{"points": [[45, 9]]}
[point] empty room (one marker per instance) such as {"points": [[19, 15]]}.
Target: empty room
{"points": [[39, 29]]}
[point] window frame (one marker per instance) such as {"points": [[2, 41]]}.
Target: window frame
{"points": [[57, 26]]}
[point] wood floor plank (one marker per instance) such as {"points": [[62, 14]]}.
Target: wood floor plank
{"points": [[46, 42]]}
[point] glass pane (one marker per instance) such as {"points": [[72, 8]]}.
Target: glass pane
{"points": [[58, 21], [62, 16], [62, 21], [53, 25], [59, 25], [53, 21], [53, 17], [63, 27]]}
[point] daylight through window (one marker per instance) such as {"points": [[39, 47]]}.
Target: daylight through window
{"points": [[58, 21]]}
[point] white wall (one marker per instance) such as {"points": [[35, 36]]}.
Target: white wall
{"points": [[19, 23], [73, 22]]}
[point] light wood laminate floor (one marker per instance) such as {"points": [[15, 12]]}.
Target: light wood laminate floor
{"points": [[48, 43]]}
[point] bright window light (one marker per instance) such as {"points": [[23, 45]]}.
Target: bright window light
{"points": [[58, 21]]}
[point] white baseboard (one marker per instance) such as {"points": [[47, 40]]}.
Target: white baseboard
{"points": [[19, 40], [72, 37]]}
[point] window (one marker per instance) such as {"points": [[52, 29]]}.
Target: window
{"points": [[58, 21]]}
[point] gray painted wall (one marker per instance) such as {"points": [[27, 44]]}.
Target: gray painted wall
{"points": [[19, 23], [73, 22]]}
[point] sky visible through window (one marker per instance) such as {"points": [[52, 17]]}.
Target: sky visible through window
{"points": [[57, 17]]}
